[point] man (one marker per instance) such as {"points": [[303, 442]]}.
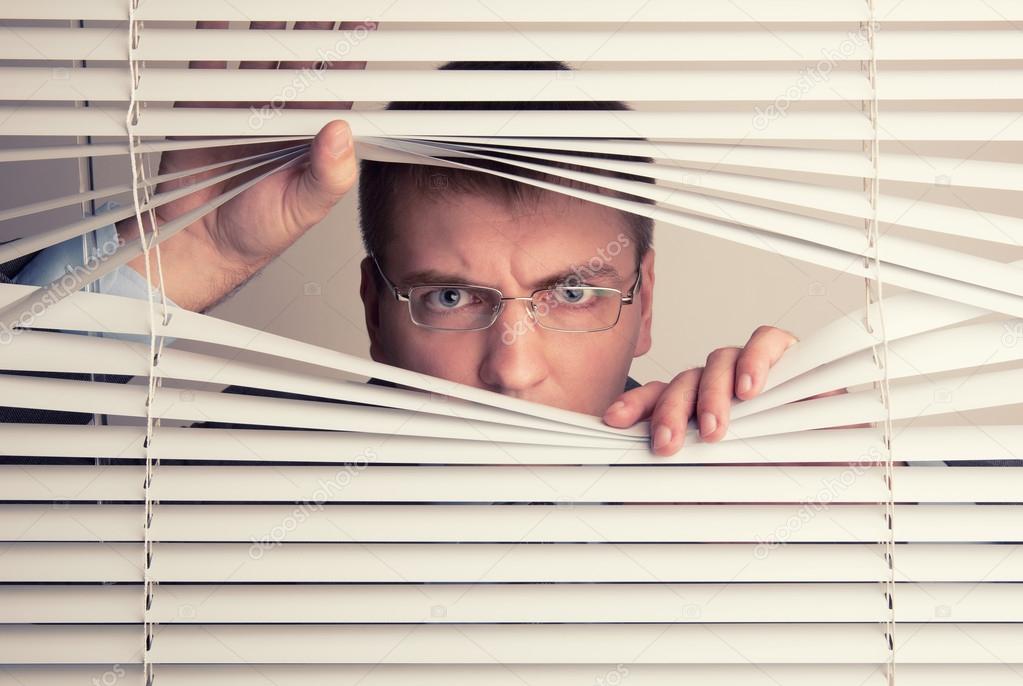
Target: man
{"points": [[428, 229]]}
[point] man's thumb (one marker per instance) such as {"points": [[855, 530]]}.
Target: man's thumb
{"points": [[332, 169]]}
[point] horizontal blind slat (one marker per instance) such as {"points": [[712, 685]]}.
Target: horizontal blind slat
{"points": [[452, 11], [521, 643], [743, 12], [40, 84], [626, 44], [754, 159], [503, 675], [270, 525], [495, 563], [488, 603], [916, 444], [495, 675], [278, 483]]}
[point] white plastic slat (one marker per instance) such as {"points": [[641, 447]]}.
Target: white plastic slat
{"points": [[491, 563], [650, 523], [43, 239], [757, 194], [56, 152], [746, 11], [72, 643], [754, 159], [41, 84], [455, 603], [504, 563], [629, 44], [202, 406], [363, 483], [494, 675], [625, 44], [845, 125], [610, 603], [741, 11], [514, 675], [67, 604], [653, 643], [973, 443], [71, 562]]}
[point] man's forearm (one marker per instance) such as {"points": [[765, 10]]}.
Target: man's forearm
{"points": [[196, 275]]}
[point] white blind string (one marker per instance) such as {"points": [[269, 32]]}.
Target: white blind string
{"points": [[138, 175], [874, 291]]}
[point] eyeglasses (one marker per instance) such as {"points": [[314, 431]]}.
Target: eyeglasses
{"points": [[465, 307]]}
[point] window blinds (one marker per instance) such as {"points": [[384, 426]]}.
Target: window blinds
{"points": [[450, 535]]}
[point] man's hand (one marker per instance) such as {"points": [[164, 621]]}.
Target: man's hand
{"points": [[707, 391], [209, 258]]}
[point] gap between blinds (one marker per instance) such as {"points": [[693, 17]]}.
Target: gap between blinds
{"points": [[445, 534]]}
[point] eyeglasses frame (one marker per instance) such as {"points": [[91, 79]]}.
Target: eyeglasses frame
{"points": [[626, 299]]}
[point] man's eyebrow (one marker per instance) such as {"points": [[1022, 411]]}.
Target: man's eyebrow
{"points": [[568, 276]]}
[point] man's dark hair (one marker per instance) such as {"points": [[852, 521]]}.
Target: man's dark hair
{"points": [[382, 184]]}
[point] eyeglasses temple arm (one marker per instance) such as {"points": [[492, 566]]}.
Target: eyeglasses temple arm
{"points": [[632, 291], [394, 289]]}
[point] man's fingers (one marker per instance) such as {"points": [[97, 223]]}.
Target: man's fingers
{"points": [[670, 417], [632, 406], [715, 395], [330, 174], [764, 349]]}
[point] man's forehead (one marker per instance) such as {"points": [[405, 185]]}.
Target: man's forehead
{"points": [[461, 237], [476, 217], [566, 275], [466, 210]]}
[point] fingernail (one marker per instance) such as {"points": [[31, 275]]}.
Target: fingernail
{"points": [[341, 141], [617, 406], [708, 422], [662, 437], [745, 383]]}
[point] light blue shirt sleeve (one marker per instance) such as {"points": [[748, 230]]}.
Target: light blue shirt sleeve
{"points": [[53, 262]]}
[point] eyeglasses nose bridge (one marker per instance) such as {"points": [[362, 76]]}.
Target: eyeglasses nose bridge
{"points": [[530, 308]]}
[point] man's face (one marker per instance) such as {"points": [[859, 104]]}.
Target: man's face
{"points": [[471, 239]]}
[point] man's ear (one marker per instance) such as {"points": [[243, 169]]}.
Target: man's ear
{"points": [[370, 294], [646, 304]]}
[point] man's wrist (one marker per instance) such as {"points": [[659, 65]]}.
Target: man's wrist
{"points": [[197, 274]]}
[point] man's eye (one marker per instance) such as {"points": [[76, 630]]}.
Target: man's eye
{"points": [[449, 298], [573, 296]]}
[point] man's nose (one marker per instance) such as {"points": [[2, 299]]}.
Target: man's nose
{"points": [[514, 359]]}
